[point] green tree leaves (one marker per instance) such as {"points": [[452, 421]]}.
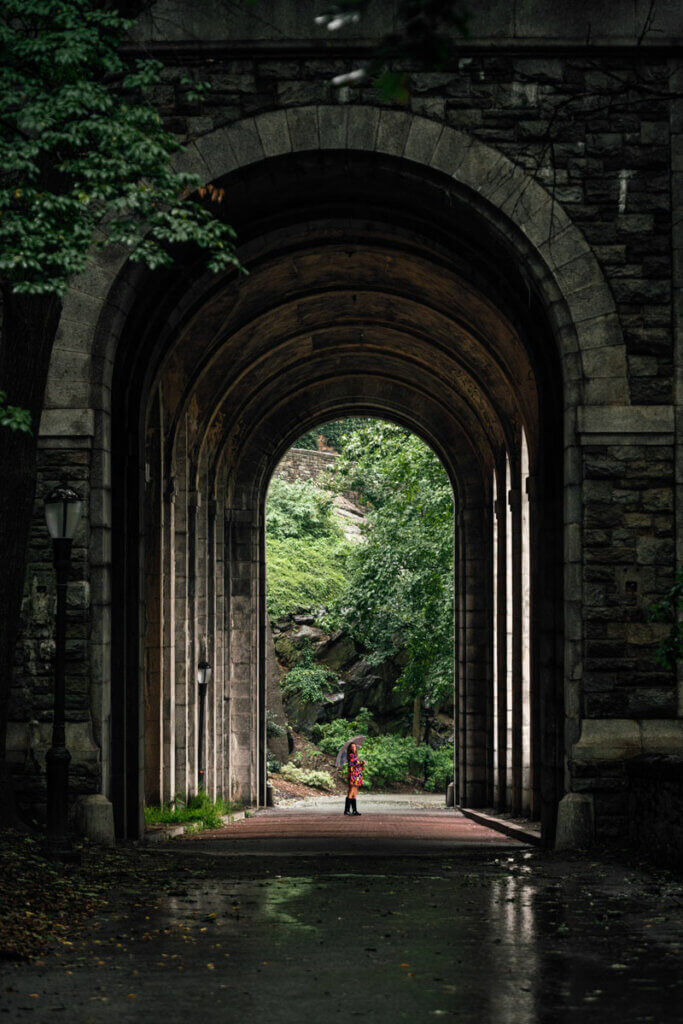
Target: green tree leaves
{"points": [[13, 417], [82, 149], [306, 549], [400, 595]]}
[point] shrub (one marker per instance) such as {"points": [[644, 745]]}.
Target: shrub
{"points": [[439, 766], [272, 763], [299, 510], [331, 735], [273, 727], [318, 779], [392, 759], [388, 758], [311, 683]]}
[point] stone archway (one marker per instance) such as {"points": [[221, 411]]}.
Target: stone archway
{"points": [[555, 260]]}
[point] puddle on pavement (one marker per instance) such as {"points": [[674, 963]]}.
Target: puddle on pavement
{"points": [[474, 941], [484, 945]]}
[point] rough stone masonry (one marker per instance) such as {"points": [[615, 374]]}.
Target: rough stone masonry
{"points": [[495, 263]]}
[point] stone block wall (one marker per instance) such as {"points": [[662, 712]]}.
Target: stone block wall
{"points": [[601, 132], [304, 464]]}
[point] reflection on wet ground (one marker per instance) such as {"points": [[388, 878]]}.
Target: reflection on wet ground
{"points": [[476, 937]]}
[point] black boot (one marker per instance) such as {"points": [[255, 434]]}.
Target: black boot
{"points": [[355, 812], [347, 806]]}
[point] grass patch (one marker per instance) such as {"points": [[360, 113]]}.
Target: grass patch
{"points": [[199, 813]]}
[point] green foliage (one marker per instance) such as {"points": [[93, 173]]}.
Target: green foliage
{"points": [[439, 769], [302, 575], [331, 735], [400, 594], [82, 148], [272, 763], [273, 727], [670, 650], [388, 758], [307, 777], [198, 813], [334, 434], [308, 681], [307, 551], [299, 510], [14, 417]]}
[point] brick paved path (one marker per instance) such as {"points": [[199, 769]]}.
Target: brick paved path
{"points": [[290, 829]]}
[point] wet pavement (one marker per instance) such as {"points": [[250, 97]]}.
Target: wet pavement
{"points": [[475, 933]]}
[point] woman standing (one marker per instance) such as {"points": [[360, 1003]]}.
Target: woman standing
{"points": [[355, 780]]}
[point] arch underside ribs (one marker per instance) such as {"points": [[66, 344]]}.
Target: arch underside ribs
{"points": [[350, 307]]}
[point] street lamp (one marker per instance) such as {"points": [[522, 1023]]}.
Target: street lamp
{"points": [[62, 515], [204, 672]]}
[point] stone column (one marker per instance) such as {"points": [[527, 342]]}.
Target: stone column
{"points": [[168, 639], [180, 550], [244, 664], [515, 503], [477, 674], [500, 612]]}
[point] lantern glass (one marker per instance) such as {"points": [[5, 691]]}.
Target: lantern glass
{"points": [[204, 673], [63, 509]]}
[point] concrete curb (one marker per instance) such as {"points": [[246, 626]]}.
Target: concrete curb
{"points": [[500, 825], [235, 816], [160, 833]]}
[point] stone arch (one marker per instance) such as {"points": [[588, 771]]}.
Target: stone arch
{"points": [[580, 301], [553, 251]]}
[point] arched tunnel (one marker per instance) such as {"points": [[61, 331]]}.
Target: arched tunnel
{"points": [[374, 287]]}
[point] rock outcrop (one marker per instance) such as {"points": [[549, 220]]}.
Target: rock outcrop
{"points": [[359, 683]]}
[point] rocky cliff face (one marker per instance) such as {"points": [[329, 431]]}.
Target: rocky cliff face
{"points": [[359, 684]]}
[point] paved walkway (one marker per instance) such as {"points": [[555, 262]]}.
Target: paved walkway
{"points": [[388, 824]]}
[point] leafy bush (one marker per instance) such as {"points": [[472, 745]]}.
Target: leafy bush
{"points": [[318, 779], [439, 764], [200, 812], [273, 727], [299, 510], [336, 434], [272, 763], [331, 735], [309, 681], [392, 759], [388, 758]]}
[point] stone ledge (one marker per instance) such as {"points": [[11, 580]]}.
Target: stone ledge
{"points": [[617, 739]]}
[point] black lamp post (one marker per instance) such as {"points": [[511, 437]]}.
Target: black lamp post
{"points": [[204, 672], [62, 515]]}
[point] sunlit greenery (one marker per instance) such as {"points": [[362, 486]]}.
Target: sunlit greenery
{"points": [[306, 549], [389, 758], [400, 594], [199, 812]]}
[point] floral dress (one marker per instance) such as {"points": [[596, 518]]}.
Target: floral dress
{"points": [[355, 770]]}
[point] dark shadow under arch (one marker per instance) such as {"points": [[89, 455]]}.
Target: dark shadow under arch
{"points": [[327, 200]]}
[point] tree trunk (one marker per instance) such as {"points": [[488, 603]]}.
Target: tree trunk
{"points": [[28, 330], [417, 708]]}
